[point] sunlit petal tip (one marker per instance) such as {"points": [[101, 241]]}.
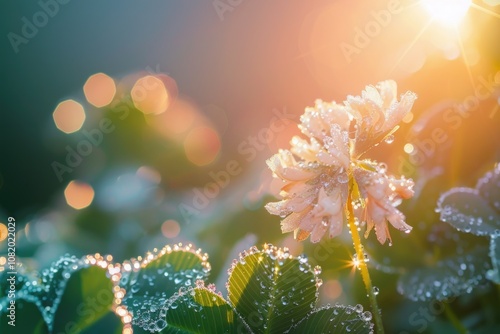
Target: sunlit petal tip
{"points": [[382, 233], [335, 227], [318, 232], [397, 220], [274, 208], [292, 221], [301, 235]]}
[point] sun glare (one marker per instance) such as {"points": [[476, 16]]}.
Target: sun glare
{"points": [[447, 12]]}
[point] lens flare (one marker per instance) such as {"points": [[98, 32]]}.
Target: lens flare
{"points": [[447, 12]]}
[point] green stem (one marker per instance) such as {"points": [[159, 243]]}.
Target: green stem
{"points": [[358, 247], [454, 319]]}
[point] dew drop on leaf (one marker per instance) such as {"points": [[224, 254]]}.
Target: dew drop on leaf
{"points": [[317, 270]]}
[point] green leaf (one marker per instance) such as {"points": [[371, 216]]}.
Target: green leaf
{"points": [[494, 273], [449, 278], [488, 329], [467, 211], [110, 323], [336, 319], [87, 297], [201, 310], [160, 275], [53, 282], [72, 294], [27, 316], [272, 290]]}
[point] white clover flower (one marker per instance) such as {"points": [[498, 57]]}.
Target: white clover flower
{"points": [[319, 173], [377, 113]]}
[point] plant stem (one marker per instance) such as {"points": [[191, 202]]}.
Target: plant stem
{"points": [[361, 264], [454, 319]]}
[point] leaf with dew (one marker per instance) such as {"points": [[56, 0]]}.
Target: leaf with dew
{"points": [[467, 211], [494, 273], [151, 282], [271, 289], [87, 297], [489, 187], [336, 319], [202, 310], [26, 317], [450, 277]]}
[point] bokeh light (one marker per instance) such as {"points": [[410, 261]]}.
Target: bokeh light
{"points": [[295, 247], [79, 195], [69, 116], [177, 120], [3, 232], [149, 173], [408, 118], [332, 289], [409, 148], [150, 95], [202, 145], [99, 90], [447, 12], [170, 228]]}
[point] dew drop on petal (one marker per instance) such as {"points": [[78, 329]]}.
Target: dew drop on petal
{"points": [[389, 139]]}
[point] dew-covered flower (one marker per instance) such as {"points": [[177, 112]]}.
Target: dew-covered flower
{"points": [[377, 113], [381, 194], [320, 173]]}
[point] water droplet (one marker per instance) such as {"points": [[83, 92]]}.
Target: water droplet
{"points": [[366, 316], [389, 139], [317, 270], [343, 178], [358, 308]]}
